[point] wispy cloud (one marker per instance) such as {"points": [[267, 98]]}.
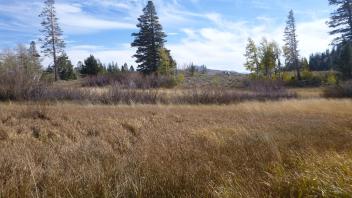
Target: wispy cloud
{"points": [[76, 21]]}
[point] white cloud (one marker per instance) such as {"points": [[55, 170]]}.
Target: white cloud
{"points": [[122, 55], [222, 46], [76, 21], [313, 36]]}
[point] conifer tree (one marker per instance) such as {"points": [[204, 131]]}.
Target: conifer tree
{"points": [[124, 68], [148, 40], [65, 68], [34, 57], [341, 21], [33, 49], [91, 66], [132, 69], [345, 60], [52, 42], [291, 52], [113, 68]]}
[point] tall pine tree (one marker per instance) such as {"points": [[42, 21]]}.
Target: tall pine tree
{"points": [[65, 67], [341, 21], [149, 40], [52, 42], [291, 52]]}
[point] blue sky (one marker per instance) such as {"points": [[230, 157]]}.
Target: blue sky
{"points": [[210, 32]]}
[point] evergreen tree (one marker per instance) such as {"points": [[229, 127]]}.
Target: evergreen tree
{"points": [[291, 52], [91, 66], [341, 21], [148, 40], [113, 68], [323, 61], [345, 60], [33, 50], [65, 67], [203, 69], [252, 60], [52, 43], [124, 68], [132, 69], [192, 69], [34, 57]]}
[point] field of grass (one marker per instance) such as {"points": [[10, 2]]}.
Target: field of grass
{"points": [[293, 148]]}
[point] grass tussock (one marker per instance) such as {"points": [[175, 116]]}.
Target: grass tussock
{"points": [[248, 150]]}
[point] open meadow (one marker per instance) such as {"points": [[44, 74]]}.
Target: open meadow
{"points": [[288, 148], [175, 99]]}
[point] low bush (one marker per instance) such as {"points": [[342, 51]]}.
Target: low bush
{"points": [[132, 80], [266, 86], [332, 78], [344, 90], [118, 95], [219, 96]]}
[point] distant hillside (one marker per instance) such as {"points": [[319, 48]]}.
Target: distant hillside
{"points": [[214, 78], [219, 72], [211, 72]]}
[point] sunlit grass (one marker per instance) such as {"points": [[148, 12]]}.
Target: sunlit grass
{"points": [[294, 148]]}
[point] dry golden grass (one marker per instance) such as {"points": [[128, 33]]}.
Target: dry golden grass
{"points": [[294, 148], [306, 93]]}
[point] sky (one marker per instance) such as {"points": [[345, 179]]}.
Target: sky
{"points": [[209, 32]]}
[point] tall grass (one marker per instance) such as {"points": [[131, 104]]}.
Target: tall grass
{"points": [[247, 150]]}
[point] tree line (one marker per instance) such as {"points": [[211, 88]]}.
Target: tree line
{"points": [[264, 60], [152, 56]]}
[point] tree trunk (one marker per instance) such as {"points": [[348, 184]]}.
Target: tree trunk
{"points": [[53, 36], [55, 65], [298, 70]]}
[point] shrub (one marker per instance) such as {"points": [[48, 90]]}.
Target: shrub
{"points": [[287, 76], [343, 90], [180, 78], [266, 86], [307, 75], [131, 80], [19, 74], [116, 95], [331, 78], [314, 81]]}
